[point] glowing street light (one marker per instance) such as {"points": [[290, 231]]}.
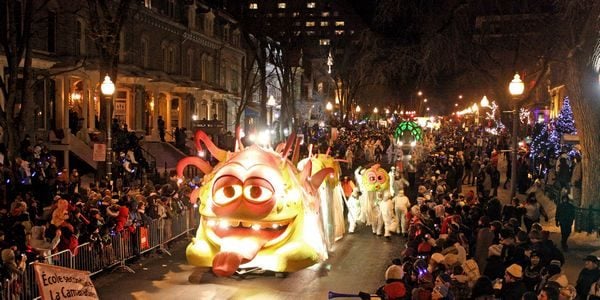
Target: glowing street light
{"points": [[357, 109], [375, 110], [484, 101], [419, 93], [329, 106], [516, 88], [425, 100], [108, 89]]}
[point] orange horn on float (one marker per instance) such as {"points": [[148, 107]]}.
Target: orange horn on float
{"points": [[218, 153], [194, 161]]}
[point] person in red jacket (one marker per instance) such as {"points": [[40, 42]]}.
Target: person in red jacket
{"points": [[394, 288]]}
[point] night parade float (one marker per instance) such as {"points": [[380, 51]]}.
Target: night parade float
{"points": [[259, 212]]}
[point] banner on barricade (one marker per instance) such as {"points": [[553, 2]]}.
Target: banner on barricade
{"points": [[144, 242], [56, 283]]}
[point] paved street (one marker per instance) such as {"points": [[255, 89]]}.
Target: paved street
{"points": [[358, 263]]}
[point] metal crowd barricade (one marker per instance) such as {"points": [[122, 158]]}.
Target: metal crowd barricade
{"points": [[97, 257]]}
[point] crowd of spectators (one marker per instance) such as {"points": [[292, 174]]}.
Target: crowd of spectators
{"points": [[45, 209], [463, 245]]}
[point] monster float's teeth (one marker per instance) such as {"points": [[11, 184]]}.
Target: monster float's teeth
{"points": [[248, 224], [234, 223], [275, 226], [224, 224], [256, 227]]}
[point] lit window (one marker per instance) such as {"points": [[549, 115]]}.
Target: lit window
{"points": [[325, 14], [339, 32], [324, 23], [310, 24], [253, 5], [324, 42], [311, 5], [281, 5], [339, 23], [295, 14]]}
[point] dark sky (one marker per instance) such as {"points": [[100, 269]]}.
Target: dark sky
{"points": [[364, 8]]}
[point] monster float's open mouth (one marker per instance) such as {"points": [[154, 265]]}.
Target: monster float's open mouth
{"points": [[241, 240]]}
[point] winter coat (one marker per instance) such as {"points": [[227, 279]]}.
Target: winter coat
{"points": [[512, 290], [485, 238], [586, 279]]}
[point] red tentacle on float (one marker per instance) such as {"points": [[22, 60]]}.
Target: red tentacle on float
{"points": [[219, 154], [198, 162]]}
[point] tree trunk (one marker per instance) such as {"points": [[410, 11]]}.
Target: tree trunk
{"points": [[582, 85]]}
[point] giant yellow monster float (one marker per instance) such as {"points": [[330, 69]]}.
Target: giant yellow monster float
{"points": [[257, 210]]}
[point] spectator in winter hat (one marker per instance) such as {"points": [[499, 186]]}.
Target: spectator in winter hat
{"points": [[513, 287], [394, 286]]}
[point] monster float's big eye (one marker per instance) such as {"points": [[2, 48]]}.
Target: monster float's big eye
{"points": [[381, 177], [226, 189], [372, 177], [258, 190]]}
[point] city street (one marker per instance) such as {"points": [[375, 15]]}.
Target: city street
{"points": [[357, 264]]}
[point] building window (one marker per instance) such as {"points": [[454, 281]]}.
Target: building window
{"points": [[171, 8], [226, 32], [325, 14], [324, 23], [190, 63], [281, 15], [204, 67], [310, 24], [310, 33], [335, 13], [253, 5], [80, 38], [51, 31], [324, 42], [148, 3], [295, 14], [144, 52], [339, 32], [209, 21], [281, 5], [339, 23], [311, 5]]}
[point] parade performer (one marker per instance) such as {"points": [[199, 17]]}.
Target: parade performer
{"points": [[331, 195], [401, 207], [374, 180], [353, 205]]}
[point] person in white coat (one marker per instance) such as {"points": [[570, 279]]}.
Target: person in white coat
{"points": [[353, 209], [401, 207], [386, 218]]}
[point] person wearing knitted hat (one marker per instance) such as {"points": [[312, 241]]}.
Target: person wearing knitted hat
{"points": [[394, 286], [513, 287]]}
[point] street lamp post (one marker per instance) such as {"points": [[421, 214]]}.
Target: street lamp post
{"points": [[357, 112], [108, 89], [515, 88], [271, 103]]}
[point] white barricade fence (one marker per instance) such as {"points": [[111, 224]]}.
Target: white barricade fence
{"points": [[99, 256]]}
